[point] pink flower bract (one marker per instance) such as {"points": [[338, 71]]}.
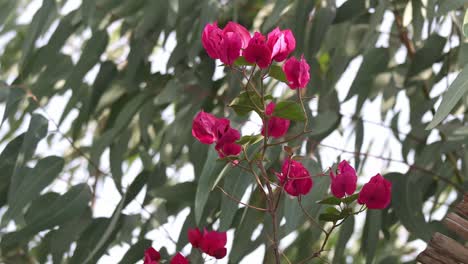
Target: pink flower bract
{"points": [[203, 127], [295, 178], [297, 72], [179, 259], [344, 182], [277, 126], [226, 44], [152, 256], [210, 242], [258, 51], [281, 43], [377, 193], [241, 31]]}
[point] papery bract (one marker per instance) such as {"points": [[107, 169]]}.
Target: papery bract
{"points": [[281, 43], [212, 36], [377, 193], [277, 126], [226, 145], [195, 237], [241, 31], [344, 182], [179, 259], [214, 244], [152, 256], [220, 44], [295, 178], [230, 48], [297, 72], [258, 51], [204, 127], [210, 242]]}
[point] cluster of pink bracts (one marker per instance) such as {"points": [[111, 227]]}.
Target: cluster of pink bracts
{"points": [[212, 243], [234, 41]]}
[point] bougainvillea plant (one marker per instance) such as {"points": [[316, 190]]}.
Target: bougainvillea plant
{"points": [[256, 57]]}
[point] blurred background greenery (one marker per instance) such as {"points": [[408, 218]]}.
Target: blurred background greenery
{"points": [[97, 159]]}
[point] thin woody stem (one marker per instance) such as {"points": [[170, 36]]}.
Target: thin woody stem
{"points": [[311, 218], [240, 202], [306, 121]]}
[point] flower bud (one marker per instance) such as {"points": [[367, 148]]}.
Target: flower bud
{"points": [[297, 72], [344, 182], [281, 44], [377, 193]]}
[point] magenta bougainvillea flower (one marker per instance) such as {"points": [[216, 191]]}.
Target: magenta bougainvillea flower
{"points": [[209, 129], [241, 31], [297, 72], [152, 256], [226, 44], [226, 145], [179, 259], [377, 193], [212, 243], [203, 127], [281, 44], [258, 51], [344, 182], [295, 178], [277, 126]]}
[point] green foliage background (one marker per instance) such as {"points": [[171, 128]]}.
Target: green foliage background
{"points": [[118, 117]]}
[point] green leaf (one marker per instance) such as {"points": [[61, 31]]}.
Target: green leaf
{"points": [[15, 95], [429, 54], [456, 90], [134, 253], [370, 236], [407, 204], [327, 217], [374, 62], [45, 171], [346, 230], [321, 22], [210, 173], [37, 27], [289, 110], [332, 200], [102, 243], [88, 239], [447, 6], [68, 206], [249, 140], [246, 102], [350, 199], [242, 62], [36, 131], [235, 184], [465, 24], [7, 165], [277, 73], [332, 210]]}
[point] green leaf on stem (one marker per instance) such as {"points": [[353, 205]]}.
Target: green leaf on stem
{"points": [[332, 200], [289, 110], [465, 25], [332, 210], [329, 217], [246, 102], [350, 199], [249, 140], [276, 72], [242, 62], [454, 93]]}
